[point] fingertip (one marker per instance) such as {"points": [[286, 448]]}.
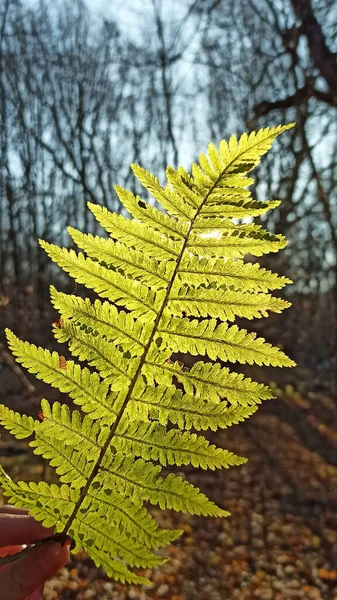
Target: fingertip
{"points": [[37, 595], [54, 555], [24, 577]]}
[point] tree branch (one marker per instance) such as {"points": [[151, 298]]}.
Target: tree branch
{"points": [[300, 97], [323, 58]]}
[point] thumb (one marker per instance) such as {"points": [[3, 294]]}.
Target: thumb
{"points": [[22, 577]]}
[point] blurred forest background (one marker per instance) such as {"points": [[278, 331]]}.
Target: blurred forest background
{"points": [[83, 94], [86, 88]]}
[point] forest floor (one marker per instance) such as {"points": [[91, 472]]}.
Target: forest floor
{"points": [[280, 542]]}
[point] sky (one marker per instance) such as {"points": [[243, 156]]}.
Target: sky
{"points": [[123, 11]]}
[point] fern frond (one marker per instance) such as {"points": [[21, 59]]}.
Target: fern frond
{"points": [[148, 215], [208, 225], [232, 344], [84, 387], [141, 480], [236, 274], [206, 380], [167, 404], [108, 284], [114, 568], [222, 304], [241, 156], [222, 207], [94, 530], [71, 465], [192, 197], [126, 261], [151, 442], [235, 244], [172, 202], [52, 505], [180, 279], [103, 318], [19, 425], [147, 440], [130, 517], [104, 356], [70, 428], [136, 235]]}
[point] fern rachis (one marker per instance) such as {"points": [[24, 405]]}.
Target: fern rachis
{"points": [[180, 281]]}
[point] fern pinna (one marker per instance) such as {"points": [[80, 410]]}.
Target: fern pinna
{"points": [[181, 281]]}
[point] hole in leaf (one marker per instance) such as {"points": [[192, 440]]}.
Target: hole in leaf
{"points": [[159, 341]]}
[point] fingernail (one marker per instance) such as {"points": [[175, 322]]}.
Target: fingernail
{"points": [[52, 551], [51, 548]]}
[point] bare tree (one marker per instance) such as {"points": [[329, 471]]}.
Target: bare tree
{"points": [[274, 61]]}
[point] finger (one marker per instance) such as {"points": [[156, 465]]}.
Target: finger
{"points": [[21, 529], [13, 510], [10, 550], [37, 595], [25, 576]]}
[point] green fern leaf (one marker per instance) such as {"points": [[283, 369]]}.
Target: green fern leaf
{"points": [[205, 337], [225, 207], [19, 425], [206, 380], [168, 283], [129, 516], [233, 274], [208, 225], [167, 404], [137, 235], [174, 204], [84, 387], [147, 440], [141, 480], [104, 356], [125, 260], [151, 442], [69, 427], [108, 284], [235, 244], [104, 319], [52, 505], [222, 304], [148, 215], [89, 524]]}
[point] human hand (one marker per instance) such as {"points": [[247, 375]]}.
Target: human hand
{"points": [[24, 578]]}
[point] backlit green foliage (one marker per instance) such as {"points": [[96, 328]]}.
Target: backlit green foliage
{"points": [[168, 283]]}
